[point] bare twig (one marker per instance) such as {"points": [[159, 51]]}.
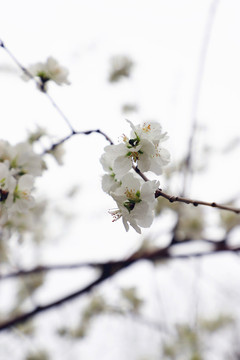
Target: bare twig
{"points": [[185, 200], [73, 133], [197, 91], [64, 117]]}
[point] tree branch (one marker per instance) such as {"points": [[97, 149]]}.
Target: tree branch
{"points": [[162, 253], [185, 200], [73, 133], [138, 255], [108, 270], [24, 317]]}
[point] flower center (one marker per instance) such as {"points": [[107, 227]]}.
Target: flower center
{"points": [[133, 198], [146, 127], [3, 195]]}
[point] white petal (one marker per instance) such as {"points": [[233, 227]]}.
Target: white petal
{"points": [[125, 223], [144, 162], [109, 184], [122, 165], [165, 155], [131, 182], [26, 182], [148, 190]]}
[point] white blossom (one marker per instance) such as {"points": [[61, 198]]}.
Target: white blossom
{"points": [[22, 199], [7, 186], [19, 164], [7, 181], [4, 150], [142, 149], [49, 70], [136, 201], [36, 135], [22, 223], [150, 130], [109, 180], [57, 152], [23, 160], [126, 154]]}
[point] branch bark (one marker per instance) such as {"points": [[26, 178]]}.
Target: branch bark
{"points": [[108, 271]]}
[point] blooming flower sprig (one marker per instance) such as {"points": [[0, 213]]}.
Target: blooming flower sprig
{"points": [[143, 149], [134, 197], [49, 70], [136, 202]]}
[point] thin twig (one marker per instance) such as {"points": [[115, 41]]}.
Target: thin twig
{"points": [[197, 90], [73, 133], [185, 200], [13, 57], [64, 117]]}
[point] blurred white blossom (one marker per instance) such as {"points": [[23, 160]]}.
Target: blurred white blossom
{"points": [[23, 200], [57, 152], [49, 70]]}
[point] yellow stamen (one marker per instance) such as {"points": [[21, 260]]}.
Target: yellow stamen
{"points": [[146, 127], [130, 194]]}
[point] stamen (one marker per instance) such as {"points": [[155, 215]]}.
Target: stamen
{"points": [[146, 127], [116, 214]]}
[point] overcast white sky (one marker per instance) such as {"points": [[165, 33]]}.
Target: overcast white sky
{"points": [[164, 39]]}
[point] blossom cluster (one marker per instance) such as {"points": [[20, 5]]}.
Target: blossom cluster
{"points": [[19, 165], [46, 71], [135, 198]]}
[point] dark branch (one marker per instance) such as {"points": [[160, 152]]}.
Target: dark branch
{"points": [[185, 200], [108, 270], [163, 253], [24, 317], [73, 133]]}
